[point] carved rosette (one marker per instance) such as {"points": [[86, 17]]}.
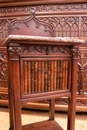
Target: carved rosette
{"points": [[75, 53], [14, 52]]}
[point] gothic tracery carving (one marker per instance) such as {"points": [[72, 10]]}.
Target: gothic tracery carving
{"points": [[64, 26], [84, 26], [45, 50]]}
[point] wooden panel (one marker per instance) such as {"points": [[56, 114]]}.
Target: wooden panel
{"points": [[67, 20], [44, 76]]}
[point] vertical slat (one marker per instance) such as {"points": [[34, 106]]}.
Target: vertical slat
{"points": [[25, 77], [49, 76], [52, 75], [45, 76], [63, 71], [60, 74], [80, 28], [36, 75], [58, 69], [29, 77], [66, 75], [42, 76], [32, 76], [39, 76]]}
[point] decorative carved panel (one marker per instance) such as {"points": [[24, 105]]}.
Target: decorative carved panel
{"points": [[30, 26], [64, 26], [3, 70], [84, 26], [46, 50], [44, 8], [3, 28]]}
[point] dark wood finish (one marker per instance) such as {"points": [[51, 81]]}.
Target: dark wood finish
{"points": [[25, 50], [70, 16]]}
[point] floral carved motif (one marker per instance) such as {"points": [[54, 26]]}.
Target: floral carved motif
{"points": [[14, 51], [3, 67], [85, 78], [4, 24], [85, 72], [75, 52]]}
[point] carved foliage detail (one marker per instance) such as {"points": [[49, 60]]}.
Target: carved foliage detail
{"points": [[75, 52], [31, 26], [14, 51], [45, 50], [4, 28], [3, 67], [85, 71], [44, 8]]}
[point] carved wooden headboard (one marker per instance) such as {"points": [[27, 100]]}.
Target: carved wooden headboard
{"points": [[30, 26]]}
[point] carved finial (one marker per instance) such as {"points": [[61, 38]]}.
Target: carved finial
{"points": [[32, 11]]}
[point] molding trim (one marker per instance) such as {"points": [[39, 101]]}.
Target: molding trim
{"points": [[8, 3]]}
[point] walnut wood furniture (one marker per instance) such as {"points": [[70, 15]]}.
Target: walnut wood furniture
{"points": [[67, 19], [41, 68]]}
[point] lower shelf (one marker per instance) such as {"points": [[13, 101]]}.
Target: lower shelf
{"points": [[43, 125]]}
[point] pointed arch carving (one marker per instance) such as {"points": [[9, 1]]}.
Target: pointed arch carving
{"points": [[30, 26]]}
